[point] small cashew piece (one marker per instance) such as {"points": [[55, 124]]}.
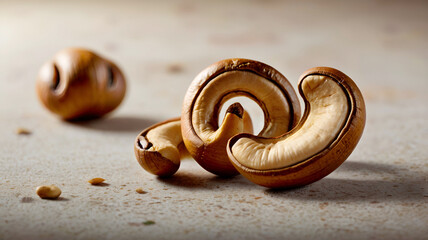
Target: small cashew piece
{"points": [[204, 139], [48, 192], [330, 129], [79, 84]]}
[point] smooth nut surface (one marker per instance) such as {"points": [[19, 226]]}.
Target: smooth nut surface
{"points": [[204, 138], [330, 129], [48, 192], [79, 84], [327, 114]]}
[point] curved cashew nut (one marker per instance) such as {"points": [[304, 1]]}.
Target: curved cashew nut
{"points": [[158, 148], [331, 127], [204, 139], [78, 83]]}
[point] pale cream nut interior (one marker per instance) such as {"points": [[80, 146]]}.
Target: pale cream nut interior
{"points": [[327, 115], [165, 140], [265, 91]]}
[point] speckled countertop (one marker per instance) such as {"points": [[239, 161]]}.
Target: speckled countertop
{"points": [[380, 192]]}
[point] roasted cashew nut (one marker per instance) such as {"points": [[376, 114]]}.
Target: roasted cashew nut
{"points": [[204, 139], [159, 148], [331, 127], [79, 84]]}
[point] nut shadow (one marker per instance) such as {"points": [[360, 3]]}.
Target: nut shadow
{"points": [[116, 123], [390, 183], [27, 200], [103, 184], [189, 180], [59, 199]]}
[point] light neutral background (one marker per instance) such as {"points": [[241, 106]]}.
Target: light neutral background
{"points": [[380, 192]]}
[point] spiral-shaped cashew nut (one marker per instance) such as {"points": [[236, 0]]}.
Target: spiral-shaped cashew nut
{"points": [[204, 138]]}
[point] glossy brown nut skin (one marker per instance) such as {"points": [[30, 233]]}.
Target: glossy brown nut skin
{"points": [[79, 84], [152, 161], [216, 161], [325, 162]]}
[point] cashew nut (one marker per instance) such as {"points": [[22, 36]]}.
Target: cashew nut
{"points": [[48, 192], [78, 83], [159, 147], [329, 130], [331, 127], [204, 139]]}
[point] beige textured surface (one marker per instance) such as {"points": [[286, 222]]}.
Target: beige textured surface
{"points": [[380, 192]]}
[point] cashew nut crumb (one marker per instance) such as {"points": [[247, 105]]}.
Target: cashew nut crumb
{"points": [[140, 191], [96, 181], [23, 131], [48, 192]]}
